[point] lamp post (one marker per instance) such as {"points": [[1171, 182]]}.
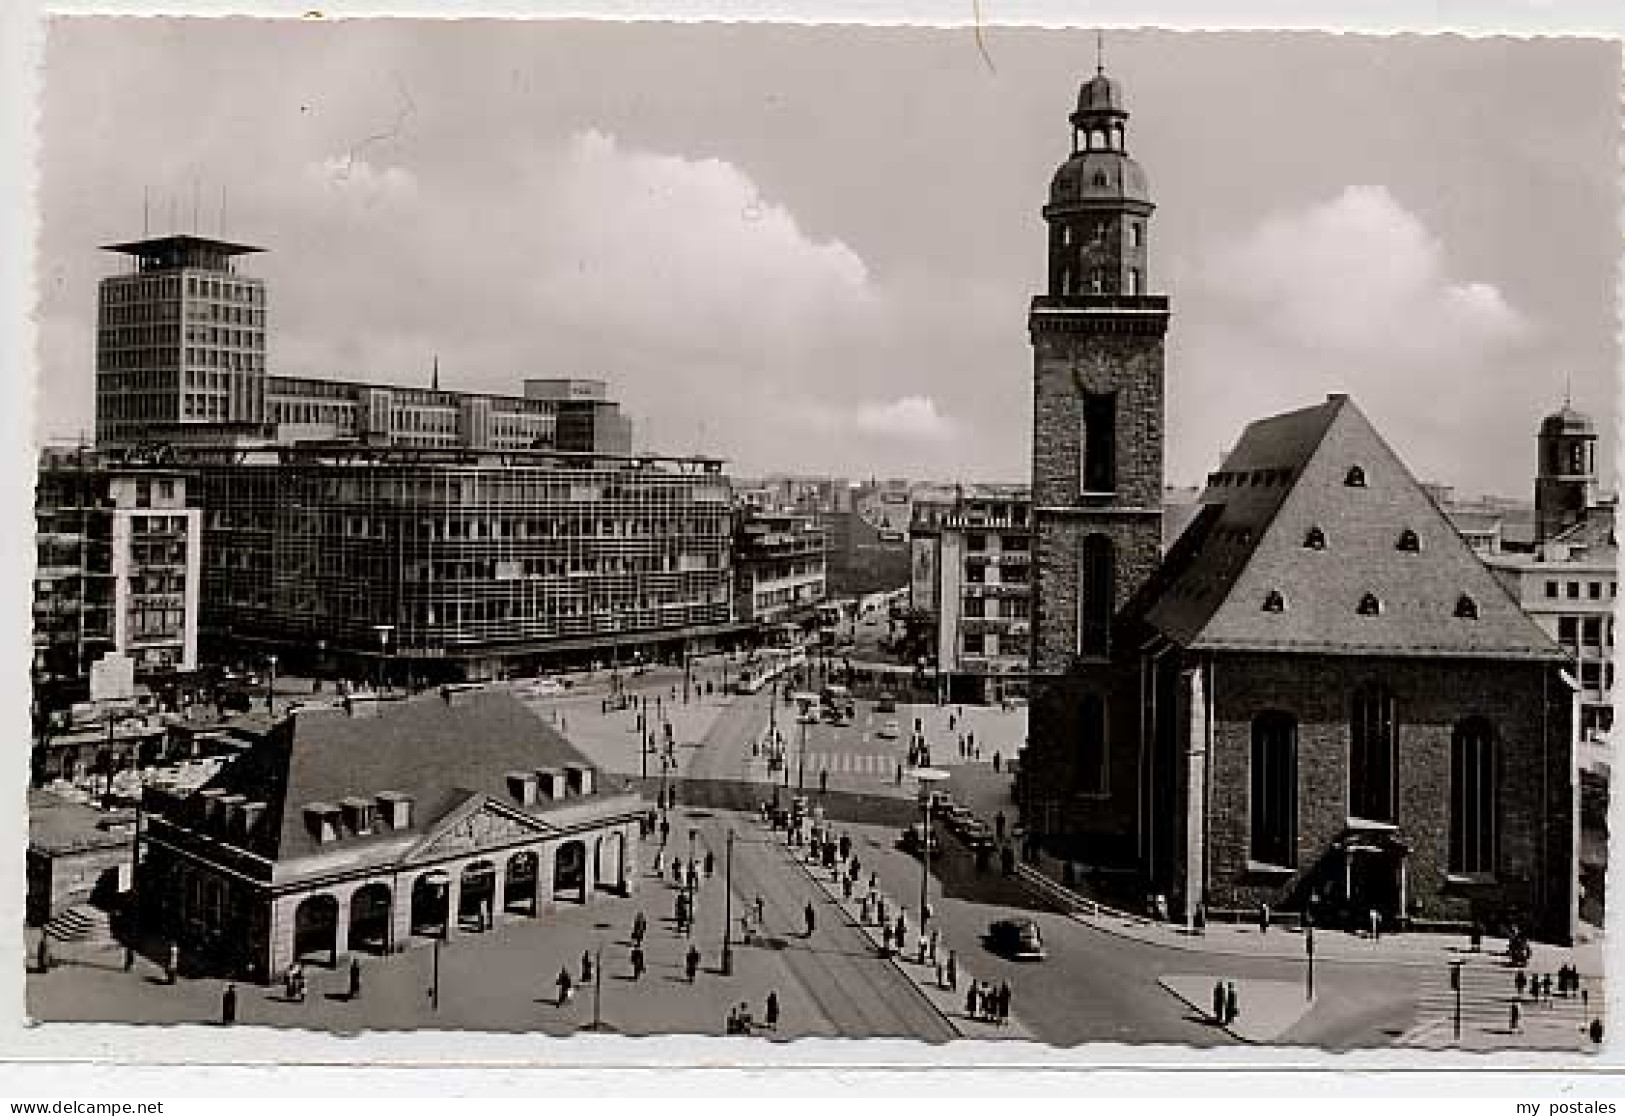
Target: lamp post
{"points": [[1455, 984], [1309, 952], [434, 980], [927, 777], [728, 910]]}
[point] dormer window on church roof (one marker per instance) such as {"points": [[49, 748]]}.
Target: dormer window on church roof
{"points": [[1466, 608], [1408, 542], [1315, 539], [1369, 605], [1355, 478]]}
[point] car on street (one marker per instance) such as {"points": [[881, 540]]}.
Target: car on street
{"points": [[1016, 938], [957, 816], [540, 687], [886, 703], [889, 731], [977, 835]]}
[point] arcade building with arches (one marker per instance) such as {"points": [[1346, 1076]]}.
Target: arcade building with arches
{"points": [[369, 828]]}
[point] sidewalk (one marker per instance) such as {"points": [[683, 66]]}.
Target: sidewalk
{"points": [[1416, 948], [1266, 1009], [949, 1002]]}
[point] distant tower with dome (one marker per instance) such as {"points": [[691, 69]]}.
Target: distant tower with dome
{"points": [[1565, 471]]}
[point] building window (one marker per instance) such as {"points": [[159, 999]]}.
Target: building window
{"points": [[1591, 631], [1315, 539], [1274, 602], [1097, 281], [1591, 674], [1408, 542], [1372, 744], [1099, 442], [1274, 801], [1466, 608], [1369, 605], [1135, 233], [1573, 589], [975, 608], [1568, 629], [973, 643], [1551, 590], [1594, 590], [1092, 745], [1355, 478], [975, 543], [1133, 280], [1472, 798], [1095, 604]]}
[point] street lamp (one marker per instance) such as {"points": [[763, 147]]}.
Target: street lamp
{"points": [[1309, 952], [1455, 984], [728, 910], [927, 777]]}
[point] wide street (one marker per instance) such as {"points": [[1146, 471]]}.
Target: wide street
{"points": [[1093, 986]]}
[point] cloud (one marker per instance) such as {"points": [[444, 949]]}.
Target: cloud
{"points": [[687, 253], [359, 182], [1359, 275], [913, 417]]}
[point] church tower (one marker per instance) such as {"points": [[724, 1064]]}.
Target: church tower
{"points": [[1097, 339], [1565, 471]]}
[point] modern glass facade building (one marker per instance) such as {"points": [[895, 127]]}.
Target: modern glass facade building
{"points": [[430, 564]]}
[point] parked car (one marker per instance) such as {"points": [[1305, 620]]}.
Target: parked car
{"points": [[886, 703], [541, 687], [889, 730], [1017, 939], [957, 816]]}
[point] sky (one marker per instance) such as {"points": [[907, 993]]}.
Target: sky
{"points": [[812, 249]]}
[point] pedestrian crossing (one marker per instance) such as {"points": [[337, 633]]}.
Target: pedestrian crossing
{"points": [[1488, 991], [869, 763]]}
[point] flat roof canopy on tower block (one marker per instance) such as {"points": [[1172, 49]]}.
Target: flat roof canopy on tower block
{"points": [[165, 245]]}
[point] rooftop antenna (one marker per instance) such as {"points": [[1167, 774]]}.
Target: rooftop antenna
{"points": [[222, 211], [1568, 388], [435, 384], [1100, 51], [145, 221], [195, 189]]}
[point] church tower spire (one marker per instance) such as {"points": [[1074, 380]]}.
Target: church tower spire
{"points": [[1097, 392]]}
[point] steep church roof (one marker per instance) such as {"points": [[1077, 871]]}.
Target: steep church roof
{"points": [[1314, 537]]}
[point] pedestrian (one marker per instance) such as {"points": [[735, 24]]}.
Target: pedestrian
{"points": [[811, 919], [865, 909], [640, 927], [129, 958], [665, 831], [972, 992], [172, 962], [355, 978], [1519, 982], [996, 761], [1513, 1015], [296, 976], [1004, 1002], [693, 962], [846, 887], [660, 863], [845, 848], [1218, 1002], [761, 912], [586, 967], [823, 781], [710, 864], [485, 915], [902, 928], [42, 954], [1376, 925], [935, 936], [677, 872], [1232, 1005], [922, 945], [938, 965], [953, 970], [1546, 988], [1595, 1030], [771, 1016], [228, 1005], [637, 962], [899, 774], [565, 987]]}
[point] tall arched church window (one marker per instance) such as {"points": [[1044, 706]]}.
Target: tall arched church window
{"points": [[1091, 745], [1373, 747], [1095, 598], [1273, 804], [1472, 798], [1099, 450]]}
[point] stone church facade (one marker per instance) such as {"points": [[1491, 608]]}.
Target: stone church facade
{"points": [[1319, 698]]}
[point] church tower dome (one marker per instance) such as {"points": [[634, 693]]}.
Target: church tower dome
{"points": [[1565, 471], [1100, 202]]}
